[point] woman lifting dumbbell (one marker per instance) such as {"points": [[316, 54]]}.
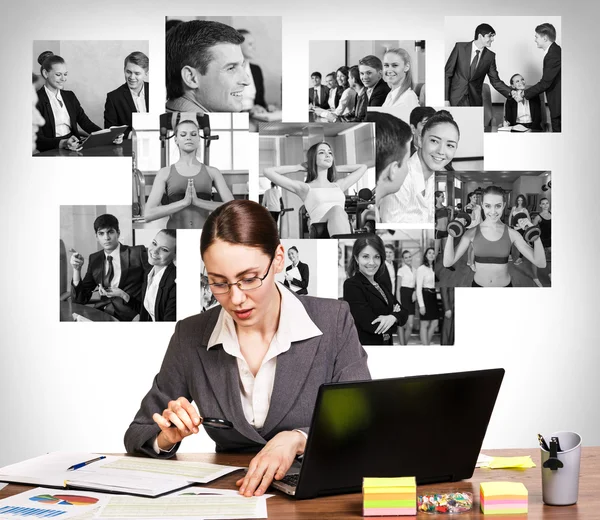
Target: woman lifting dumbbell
{"points": [[544, 221], [443, 215], [473, 209], [492, 241]]}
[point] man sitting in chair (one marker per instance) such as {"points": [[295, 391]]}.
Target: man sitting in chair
{"points": [[526, 112], [117, 271]]}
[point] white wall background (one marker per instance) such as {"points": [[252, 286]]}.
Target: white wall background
{"points": [[70, 386], [514, 45], [95, 67]]}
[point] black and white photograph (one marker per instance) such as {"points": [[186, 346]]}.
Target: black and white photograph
{"points": [[388, 280], [301, 274], [82, 112], [510, 66], [224, 64], [186, 165], [109, 272], [440, 140], [349, 78], [494, 229], [326, 173]]}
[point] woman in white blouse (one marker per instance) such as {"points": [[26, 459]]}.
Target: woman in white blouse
{"points": [[426, 296], [406, 295], [397, 72]]}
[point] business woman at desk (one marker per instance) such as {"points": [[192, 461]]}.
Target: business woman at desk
{"points": [[255, 362], [187, 184], [60, 108]]}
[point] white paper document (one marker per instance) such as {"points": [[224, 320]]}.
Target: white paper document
{"points": [[52, 503], [294, 273]]}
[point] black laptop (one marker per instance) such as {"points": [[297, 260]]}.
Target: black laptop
{"points": [[430, 427]]}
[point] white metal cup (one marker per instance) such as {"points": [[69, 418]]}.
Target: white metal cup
{"points": [[560, 487]]}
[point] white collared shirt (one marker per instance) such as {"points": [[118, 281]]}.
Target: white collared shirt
{"points": [[413, 202], [62, 120], [116, 262], [139, 100], [390, 268], [425, 280], [249, 92], [523, 112], [331, 100], [474, 50], [154, 278], [408, 276], [294, 325]]}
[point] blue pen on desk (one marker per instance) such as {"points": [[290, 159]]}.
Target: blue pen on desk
{"points": [[82, 464]]}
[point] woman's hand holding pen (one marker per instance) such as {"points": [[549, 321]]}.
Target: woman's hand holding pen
{"points": [[272, 462], [185, 420], [385, 322]]}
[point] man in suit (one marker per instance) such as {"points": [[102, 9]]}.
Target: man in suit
{"points": [[371, 75], [299, 286], [132, 96], [117, 271], [388, 276], [545, 36], [468, 65], [318, 94], [526, 112], [205, 68]]}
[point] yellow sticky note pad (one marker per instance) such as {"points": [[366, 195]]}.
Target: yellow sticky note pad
{"points": [[389, 482], [511, 462], [502, 488]]}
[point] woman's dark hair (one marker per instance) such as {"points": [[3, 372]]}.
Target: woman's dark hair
{"points": [[494, 190], [311, 164], [514, 76], [294, 248], [406, 251], [440, 117], [47, 60], [425, 261], [438, 194], [241, 222], [344, 70], [355, 73], [359, 244], [469, 196], [522, 197]]}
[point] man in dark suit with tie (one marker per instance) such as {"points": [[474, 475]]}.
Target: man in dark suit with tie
{"points": [[371, 75], [468, 65], [130, 97], [388, 275], [318, 94], [117, 271], [545, 36]]}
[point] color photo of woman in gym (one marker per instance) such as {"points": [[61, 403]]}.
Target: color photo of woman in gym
{"points": [[492, 239]]}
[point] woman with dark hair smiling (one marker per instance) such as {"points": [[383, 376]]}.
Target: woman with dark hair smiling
{"points": [[347, 99], [252, 365], [413, 202], [60, 108], [492, 241], [427, 297], [322, 193], [374, 308], [300, 284]]}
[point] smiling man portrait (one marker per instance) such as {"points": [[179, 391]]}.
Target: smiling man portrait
{"points": [[204, 68]]}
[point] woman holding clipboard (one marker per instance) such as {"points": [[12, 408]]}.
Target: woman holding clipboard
{"points": [[296, 275]]}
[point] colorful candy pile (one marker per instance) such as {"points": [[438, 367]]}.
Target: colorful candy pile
{"points": [[445, 503], [502, 498], [389, 496]]}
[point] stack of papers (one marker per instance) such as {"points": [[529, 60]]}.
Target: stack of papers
{"points": [[389, 496], [502, 498], [133, 475]]}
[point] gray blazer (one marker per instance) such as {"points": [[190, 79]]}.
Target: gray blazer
{"points": [[211, 379]]}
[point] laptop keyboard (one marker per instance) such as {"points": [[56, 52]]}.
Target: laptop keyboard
{"points": [[291, 480]]}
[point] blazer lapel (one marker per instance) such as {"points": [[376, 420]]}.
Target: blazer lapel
{"points": [[128, 99], [147, 95], [221, 370], [98, 267], [292, 371], [371, 288], [47, 110], [124, 265]]}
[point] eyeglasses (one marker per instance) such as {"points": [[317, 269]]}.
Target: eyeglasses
{"points": [[246, 284]]}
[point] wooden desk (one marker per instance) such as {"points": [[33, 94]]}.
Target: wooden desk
{"points": [[343, 507]]}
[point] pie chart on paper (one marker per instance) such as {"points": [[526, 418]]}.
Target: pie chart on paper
{"points": [[65, 500]]}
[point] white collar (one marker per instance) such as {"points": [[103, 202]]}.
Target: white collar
{"points": [[51, 94], [116, 253], [294, 325]]}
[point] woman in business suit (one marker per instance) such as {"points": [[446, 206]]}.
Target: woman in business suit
{"points": [[527, 112], [159, 290], [256, 362], [60, 108], [374, 308], [299, 286]]}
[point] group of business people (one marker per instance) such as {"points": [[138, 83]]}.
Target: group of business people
{"points": [[471, 62], [374, 82], [128, 282], [60, 117]]}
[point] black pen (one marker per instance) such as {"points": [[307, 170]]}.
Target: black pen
{"points": [[542, 442], [82, 464]]}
